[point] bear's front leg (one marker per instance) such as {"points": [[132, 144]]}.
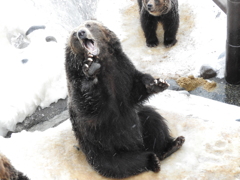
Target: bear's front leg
{"points": [[170, 38], [170, 25], [149, 26], [158, 85], [144, 85], [90, 68]]}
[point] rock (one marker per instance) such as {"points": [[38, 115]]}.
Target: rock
{"points": [[19, 41], [222, 55], [207, 72], [50, 38], [45, 118], [33, 28], [58, 119], [24, 61]]}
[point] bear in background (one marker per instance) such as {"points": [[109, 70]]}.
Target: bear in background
{"points": [[8, 172], [119, 135], [163, 11]]}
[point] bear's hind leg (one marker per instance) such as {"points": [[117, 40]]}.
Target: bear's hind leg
{"points": [[173, 147], [156, 134], [124, 164]]}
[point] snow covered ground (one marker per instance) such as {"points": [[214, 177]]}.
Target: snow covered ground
{"points": [[211, 150]]}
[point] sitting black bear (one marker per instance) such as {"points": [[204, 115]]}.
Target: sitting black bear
{"points": [[118, 134], [163, 11]]}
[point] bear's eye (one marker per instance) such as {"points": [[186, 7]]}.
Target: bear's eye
{"points": [[88, 25], [74, 35]]}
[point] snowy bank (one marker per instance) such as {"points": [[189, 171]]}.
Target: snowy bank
{"points": [[211, 150], [32, 69]]}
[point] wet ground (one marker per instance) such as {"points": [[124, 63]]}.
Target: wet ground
{"points": [[224, 92]]}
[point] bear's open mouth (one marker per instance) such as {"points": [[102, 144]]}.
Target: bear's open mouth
{"points": [[91, 46]]}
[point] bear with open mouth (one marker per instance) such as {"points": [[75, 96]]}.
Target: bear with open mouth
{"points": [[165, 12], [119, 135]]}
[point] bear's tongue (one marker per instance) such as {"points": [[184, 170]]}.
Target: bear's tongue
{"points": [[89, 45]]}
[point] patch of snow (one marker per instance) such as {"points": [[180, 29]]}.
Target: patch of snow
{"points": [[32, 70], [39, 82]]}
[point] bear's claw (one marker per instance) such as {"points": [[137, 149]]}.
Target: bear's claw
{"points": [[90, 55], [176, 145], [154, 164], [90, 67], [153, 43]]}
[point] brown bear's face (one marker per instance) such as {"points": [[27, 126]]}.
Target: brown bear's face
{"points": [[90, 37], [157, 7]]}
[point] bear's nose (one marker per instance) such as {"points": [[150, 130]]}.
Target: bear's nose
{"points": [[82, 34], [149, 6]]}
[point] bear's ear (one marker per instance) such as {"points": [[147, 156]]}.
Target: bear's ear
{"points": [[113, 40]]}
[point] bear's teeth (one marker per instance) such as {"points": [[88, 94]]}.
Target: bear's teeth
{"points": [[90, 55]]}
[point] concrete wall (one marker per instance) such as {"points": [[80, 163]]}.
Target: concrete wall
{"points": [[222, 4]]}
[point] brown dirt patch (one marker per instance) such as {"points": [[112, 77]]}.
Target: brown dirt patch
{"points": [[190, 83]]}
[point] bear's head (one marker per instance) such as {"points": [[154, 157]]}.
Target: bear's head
{"points": [[93, 38], [157, 7]]}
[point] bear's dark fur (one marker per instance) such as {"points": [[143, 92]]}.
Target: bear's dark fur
{"points": [[118, 134], [163, 11], [8, 172]]}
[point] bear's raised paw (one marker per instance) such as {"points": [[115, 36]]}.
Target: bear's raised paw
{"points": [[90, 68], [158, 85]]}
